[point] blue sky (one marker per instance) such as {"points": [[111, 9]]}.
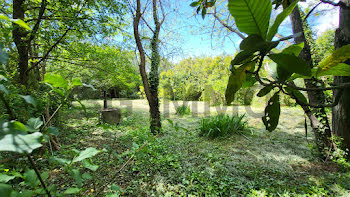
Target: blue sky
{"points": [[194, 42]]}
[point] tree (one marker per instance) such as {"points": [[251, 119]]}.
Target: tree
{"points": [[52, 22], [151, 82], [341, 112], [253, 19]]}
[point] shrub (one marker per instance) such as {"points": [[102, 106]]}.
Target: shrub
{"points": [[183, 110], [221, 125]]}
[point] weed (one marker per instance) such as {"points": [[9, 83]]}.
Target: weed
{"points": [[221, 125], [183, 110]]}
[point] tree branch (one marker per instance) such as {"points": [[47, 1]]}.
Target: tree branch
{"points": [[309, 13], [37, 24], [330, 2], [49, 51], [227, 26], [142, 65]]}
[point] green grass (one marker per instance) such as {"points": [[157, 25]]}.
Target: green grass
{"points": [[180, 163], [221, 125], [183, 110]]}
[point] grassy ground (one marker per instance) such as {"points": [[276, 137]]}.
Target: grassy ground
{"points": [[179, 163]]}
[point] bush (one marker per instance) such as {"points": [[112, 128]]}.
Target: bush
{"points": [[221, 125], [183, 110]]}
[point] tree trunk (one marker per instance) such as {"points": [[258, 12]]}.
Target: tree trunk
{"points": [[341, 112], [105, 106], [154, 74], [321, 129], [150, 83], [19, 37]]}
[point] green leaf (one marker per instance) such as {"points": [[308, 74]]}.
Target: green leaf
{"points": [[75, 173], [291, 63], [272, 113], [87, 153], [31, 178], [194, 4], [251, 16], [5, 190], [4, 89], [279, 19], [242, 57], [341, 69], [294, 49], [53, 130], [89, 165], [20, 143], [297, 94], [56, 81], [61, 160], [5, 178], [21, 23], [236, 80], [12, 127], [29, 99], [24, 193], [72, 190], [338, 56], [86, 176], [252, 42], [204, 12], [34, 124], [265, 90], [76, 82], [17, 21]]}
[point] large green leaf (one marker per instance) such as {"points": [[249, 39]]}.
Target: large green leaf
{"points": [[34, 124], [5, 178], [255, 43], [338, 56], [282, 73], [87, 153], [341, 69], [20, 143], [279, 19], [56, 80], [242, 57], [236, 80], [272, 112], [252, 42], [291, 63], [5, 190], [294, 49], [251, 16]]}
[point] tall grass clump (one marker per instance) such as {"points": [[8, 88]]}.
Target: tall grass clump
{"points": [[221, 125], [183, 110]]}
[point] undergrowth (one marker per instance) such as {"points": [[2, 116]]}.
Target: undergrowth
{"points": [[221, 125], [133, 162], [183, 110]]}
